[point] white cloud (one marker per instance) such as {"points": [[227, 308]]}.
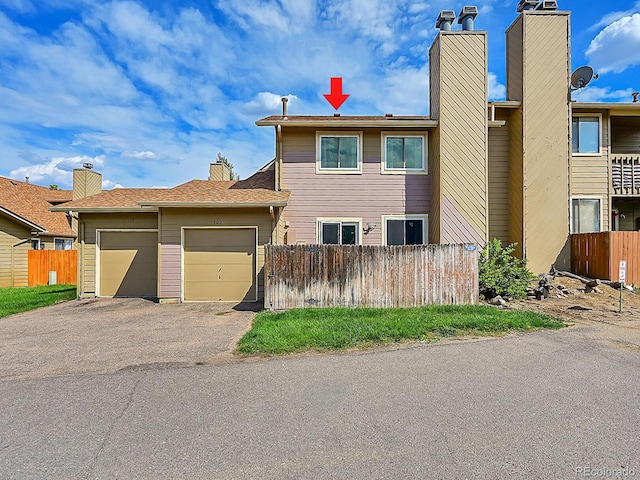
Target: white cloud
{"points": [[109, 185], [617, 47], [612, 17], [267, 103], [497, 91], [139, 155], [598, 94], [57, 170]]}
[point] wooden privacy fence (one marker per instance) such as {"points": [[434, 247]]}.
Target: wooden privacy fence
{"points": [[598, 255], [63, 262], [369, 276]]}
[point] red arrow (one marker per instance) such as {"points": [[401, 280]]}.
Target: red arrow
{"points": [[336, 98]]}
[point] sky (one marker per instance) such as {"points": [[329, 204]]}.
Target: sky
{"points": [[149, 91]]}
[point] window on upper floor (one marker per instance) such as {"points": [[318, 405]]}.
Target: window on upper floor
{"points": [[404, 153], [339, 152], [586, 134], [35, 244], [339, 232], [405, 230], [585, 215], [63, 244]]}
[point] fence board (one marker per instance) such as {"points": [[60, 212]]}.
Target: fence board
{"points": [[598, 255], [369, 276], [63, 262]]}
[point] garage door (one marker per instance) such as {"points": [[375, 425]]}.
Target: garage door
{"points": [[128, 264], [219, 264]]}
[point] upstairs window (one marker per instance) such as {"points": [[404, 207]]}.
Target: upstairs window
{"points": [[586, 134], [404, 153], [339, 153], [401, 230], [35, 244], [334, 232]]}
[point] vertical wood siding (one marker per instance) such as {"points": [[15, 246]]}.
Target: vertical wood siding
{"points": [[63, 262], [367, 196], [172, 221], [462, 104], [598, 255], [369, 276], [13, 260], [95, 221], [499, 183]]}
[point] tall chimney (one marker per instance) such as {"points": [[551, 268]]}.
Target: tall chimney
{"points": [[219, 172], [445, 19], [466, 17], [284, 106], [86, 182]]}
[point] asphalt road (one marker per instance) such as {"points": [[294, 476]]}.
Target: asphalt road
{"points": [[540, 405]]}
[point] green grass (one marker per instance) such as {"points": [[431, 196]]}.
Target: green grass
{"points": [[21, 299], [342, 328]]}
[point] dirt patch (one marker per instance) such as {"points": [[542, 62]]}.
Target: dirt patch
{"points": [[599, 311]]}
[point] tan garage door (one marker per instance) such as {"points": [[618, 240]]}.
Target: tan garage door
{"points": [[219, 264], [128, 264]]}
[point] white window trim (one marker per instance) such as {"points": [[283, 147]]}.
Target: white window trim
{"points": [[35, 240], [404, 171], [585, 197], [588, 154], [321, 220], [340, 171], [425, 225], [62, 238]]}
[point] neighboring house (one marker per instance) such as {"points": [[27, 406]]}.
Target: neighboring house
{"points": [[200, 241], [530, 170], [26, 223]]}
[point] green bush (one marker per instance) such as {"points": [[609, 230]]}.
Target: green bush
{"points": [[501, 273]]}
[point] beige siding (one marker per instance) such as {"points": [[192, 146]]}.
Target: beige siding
{"points": [[91, 222], [499, 184], [516, 183], [13, 257], [86, 183], [367, 196], [172, 221], [434, 141], [461, 105], [541, 39]]}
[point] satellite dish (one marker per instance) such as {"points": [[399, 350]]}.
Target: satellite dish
{"points": [[581, 77]]}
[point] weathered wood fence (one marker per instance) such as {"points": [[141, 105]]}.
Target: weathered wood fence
{"points": [[369, 276], [598, 255], [63, 262]]}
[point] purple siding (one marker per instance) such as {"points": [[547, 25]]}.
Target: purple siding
{"points": [[368, 195]]}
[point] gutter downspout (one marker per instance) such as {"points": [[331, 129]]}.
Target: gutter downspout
{"points": [[279, 157]]}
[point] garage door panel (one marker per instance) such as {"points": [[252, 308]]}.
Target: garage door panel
{"points": [[128, 264], [219, 264]]}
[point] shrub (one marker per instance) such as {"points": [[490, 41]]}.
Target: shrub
{"points": [[501, 273]]}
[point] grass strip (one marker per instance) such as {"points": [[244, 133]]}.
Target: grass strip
{"points": [[22, 299], [324, 329]]}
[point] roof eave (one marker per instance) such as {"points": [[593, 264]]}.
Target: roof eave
{"points": [[103, 209], [340, 122], [22, 220], [279, 203]]}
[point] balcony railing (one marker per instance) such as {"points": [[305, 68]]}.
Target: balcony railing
{"points": [[625, 174]]}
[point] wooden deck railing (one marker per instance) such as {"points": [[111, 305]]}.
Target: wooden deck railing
{"points": [[63, 262], [625, 174], [598, 255]]}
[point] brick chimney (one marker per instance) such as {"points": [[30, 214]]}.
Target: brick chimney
{"points": [[86, 182], [219, 172]]}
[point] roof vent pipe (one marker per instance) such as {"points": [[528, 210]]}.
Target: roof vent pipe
{"points": [[284, 106], [466, 17], [527, 5], [634, 95], [547, 5], [445, 19]]}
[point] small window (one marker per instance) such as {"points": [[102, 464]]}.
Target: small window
{"points": [[339, 153], [405, 231], [35, 244], [586, 135], [339, 233], [404, 153], [63, 244], [585, 215]]}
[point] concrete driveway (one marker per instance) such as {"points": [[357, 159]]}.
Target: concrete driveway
{"points": [[106, 335]]}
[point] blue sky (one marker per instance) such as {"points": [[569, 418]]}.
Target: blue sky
{"points": [[150, 91]]}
